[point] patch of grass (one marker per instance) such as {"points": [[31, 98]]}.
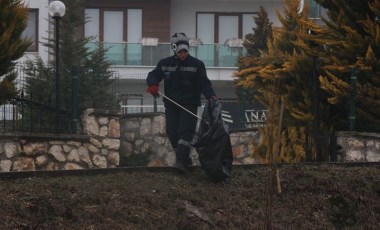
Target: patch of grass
{"points": [[338, 197], [342, 212]]}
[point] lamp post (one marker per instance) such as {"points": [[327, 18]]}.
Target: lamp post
{"points": [[56, 11]]}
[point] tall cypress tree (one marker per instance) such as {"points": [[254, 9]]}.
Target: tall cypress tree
{"points": [[352, 47], [256, 42], [349, 40], [256, 45], [14, 19], [94, 77], [285, 74]]}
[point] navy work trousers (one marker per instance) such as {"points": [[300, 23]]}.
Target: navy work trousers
{"points": [[180, 128]]}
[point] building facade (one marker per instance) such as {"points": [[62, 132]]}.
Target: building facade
{"points": [[137, 33]]}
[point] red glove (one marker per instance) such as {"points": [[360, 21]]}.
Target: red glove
{"points": [[153, 89]]}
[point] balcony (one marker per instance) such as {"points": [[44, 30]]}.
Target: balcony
{"points": [[137, 54]]}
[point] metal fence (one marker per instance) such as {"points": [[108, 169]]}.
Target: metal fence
{"points": [[235, 114], [137, 54], [365, 125], [25, 115]]}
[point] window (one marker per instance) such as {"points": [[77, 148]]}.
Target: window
{"points": [[228, 28], [114, 27], [223, 26], [134, 25], [248, 24], [108, 25], [131, 103], [31, 31], [205, 24], [315, 10], [222, 34], [92, 26]]}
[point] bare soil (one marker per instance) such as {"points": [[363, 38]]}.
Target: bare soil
{"points": [[326, 196]]}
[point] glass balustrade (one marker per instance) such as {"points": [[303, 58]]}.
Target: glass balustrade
{"points": [[135, 54]]}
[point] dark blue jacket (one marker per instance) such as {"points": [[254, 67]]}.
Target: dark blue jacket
{"points": [[184, 81]]}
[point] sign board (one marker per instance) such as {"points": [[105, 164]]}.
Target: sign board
{"points": [[238, 117]]}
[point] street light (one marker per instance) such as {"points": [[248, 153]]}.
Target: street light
{"points": [[56, 11]]}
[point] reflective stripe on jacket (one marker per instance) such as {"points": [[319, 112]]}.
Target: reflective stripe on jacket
{"points": [[184, 81]]}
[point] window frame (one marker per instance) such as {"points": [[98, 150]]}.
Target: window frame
{"points": [[34, 46], [125, 102], [217, 16], [125, 20]]}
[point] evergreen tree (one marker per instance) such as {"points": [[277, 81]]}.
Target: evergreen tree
{"points": [[256, 45], [260, 73], [285, 73], [14, 19], [256, 42], [352, 44], [94, 78]]}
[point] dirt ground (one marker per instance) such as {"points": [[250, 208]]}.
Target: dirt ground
{"points": [[313, 197]]}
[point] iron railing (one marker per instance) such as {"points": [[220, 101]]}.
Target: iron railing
{"points": [[25, 115], [136, 54]]}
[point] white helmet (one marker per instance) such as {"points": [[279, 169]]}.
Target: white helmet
{"points": [[179, 41]]}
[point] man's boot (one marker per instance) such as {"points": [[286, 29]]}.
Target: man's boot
{"points": [[183, 159]]}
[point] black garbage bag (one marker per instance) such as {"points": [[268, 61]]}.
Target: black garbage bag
{"points": [[212, 143]]}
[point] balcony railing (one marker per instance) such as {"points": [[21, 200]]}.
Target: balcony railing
{"points": [[136, 54]]}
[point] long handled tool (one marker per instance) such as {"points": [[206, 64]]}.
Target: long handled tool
{"points": [[172, 101]]}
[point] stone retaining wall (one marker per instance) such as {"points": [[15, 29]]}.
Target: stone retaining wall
{"points": [[98, 148], [138, 139], [358, 147], [144, 135]]}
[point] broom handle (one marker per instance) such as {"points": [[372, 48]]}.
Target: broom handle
{"points": [[163, 95]]}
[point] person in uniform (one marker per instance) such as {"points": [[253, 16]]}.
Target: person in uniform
{"points": [[185, 80]]}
